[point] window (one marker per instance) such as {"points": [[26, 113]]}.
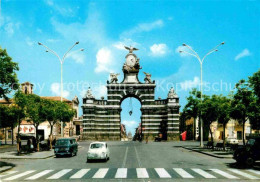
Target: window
{"points": [[239, 135]]}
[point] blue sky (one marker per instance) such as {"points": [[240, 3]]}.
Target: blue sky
{"points": [[157, 28]]}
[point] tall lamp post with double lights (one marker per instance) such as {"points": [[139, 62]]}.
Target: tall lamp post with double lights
{"points": [[193, 53], [61, 73]]}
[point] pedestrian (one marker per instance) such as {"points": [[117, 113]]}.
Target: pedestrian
{"points": [[146, 139]]}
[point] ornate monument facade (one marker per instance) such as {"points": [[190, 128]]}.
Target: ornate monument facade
{"points": [[102, 118]]}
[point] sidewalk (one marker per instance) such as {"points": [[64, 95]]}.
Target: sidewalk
{"points": [[34, 155], [210, 152]]}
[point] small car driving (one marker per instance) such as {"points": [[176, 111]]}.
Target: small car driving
{"points": [[98, 150], [66, 146]]}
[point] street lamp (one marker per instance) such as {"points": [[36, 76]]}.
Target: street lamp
{"points": [[61, 62], [201, 62]]}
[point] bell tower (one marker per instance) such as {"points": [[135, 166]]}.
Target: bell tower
{"points": [[27, 88]]}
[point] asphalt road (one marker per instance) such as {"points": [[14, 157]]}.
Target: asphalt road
{"points": [[133, 161]]}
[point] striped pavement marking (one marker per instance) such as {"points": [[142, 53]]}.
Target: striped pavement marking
{"points": [[8, 173], [243, 174], [182, 173], [254, 171], [36, 176], [142, 173], [80, 174], [19, 175], [60, 174], [162, 173], [121, 173], [203, 173], [101, 173], [222, 173]]}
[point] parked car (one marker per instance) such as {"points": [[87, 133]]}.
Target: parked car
{"points": [[232, 141], [98, 150], [249, 153], [66, 146]]}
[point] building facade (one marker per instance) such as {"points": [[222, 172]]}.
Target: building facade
{"points": [[72, 128], [102, 118]]}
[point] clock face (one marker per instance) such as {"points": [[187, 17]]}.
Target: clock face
{"points": [[130, 60]]}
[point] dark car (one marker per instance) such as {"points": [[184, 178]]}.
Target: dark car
{"points": [[66, 146], [249, 153]]}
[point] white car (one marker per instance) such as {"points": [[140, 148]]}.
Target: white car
{"points": [[98, 150]]}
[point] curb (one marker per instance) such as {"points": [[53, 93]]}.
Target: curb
{"points": [[5, 168], [27, 157], [212, 155]]}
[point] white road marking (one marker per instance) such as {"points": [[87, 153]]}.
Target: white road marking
{"points": [[203, 173], [60, 174], [36, 176], [162, 173], [243, 174], [121, 173], [19, 175], [222, 173], [7, 173], [80, 174], [142, 173], [124, 161], [182, 173], [254, 171], [101, 173]]}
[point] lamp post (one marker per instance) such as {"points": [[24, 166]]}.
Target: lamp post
{"points": [[61, 73], [193, 53]]}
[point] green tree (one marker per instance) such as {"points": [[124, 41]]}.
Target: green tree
{"points": [[8, 115], [55, 111], [191, 109], [254, 108], [224, 110], [20, 101], [34, 107], [209, 112], [8, 77], [242, 104]]}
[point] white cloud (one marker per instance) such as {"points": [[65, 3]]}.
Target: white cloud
{"points": [[182, 48], [189, 84], [52, 40], [130, 124], [104, 59], [39, 30], [61, 9], [125, 42], [143, 27], [9, 28], [29, 42], [55, 89], [159, 49], [242, 54], [97, 91], [78, 56]]}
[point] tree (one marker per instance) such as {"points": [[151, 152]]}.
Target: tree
{"points": [[34, 107], [191, 109], [20, 101], [224, 110], [8, 77], [54, 111], [8, 115], [242, 104], [209, 112], [254, 108], [254, 83]]}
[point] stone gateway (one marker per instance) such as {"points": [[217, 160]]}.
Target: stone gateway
{"points": [[102, 118]]}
